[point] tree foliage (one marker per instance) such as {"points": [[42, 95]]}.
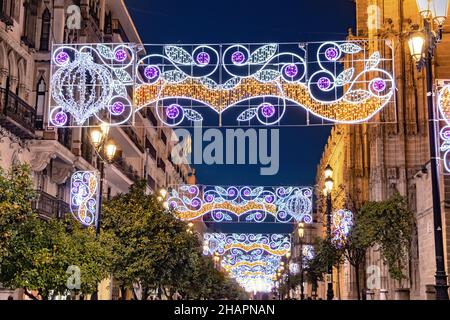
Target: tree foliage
{"points": [[154, 251], [37, 253], [389, 225]]}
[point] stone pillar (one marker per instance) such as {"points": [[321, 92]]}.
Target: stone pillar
{"points": [[59, 21]]}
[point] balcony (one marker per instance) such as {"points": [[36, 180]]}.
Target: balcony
{"points": [[127, 169], [161, 164], [50, 207], [151, 149], [151, 183], [133, 137], [17, 116]]}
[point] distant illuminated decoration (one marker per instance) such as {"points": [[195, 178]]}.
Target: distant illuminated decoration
{"points": [[343, 82], [246, 204], [342, 223], [84, 196], [255, 271], [276, 244]]}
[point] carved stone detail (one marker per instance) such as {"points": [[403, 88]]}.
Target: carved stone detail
{"points": [[41, 160]]}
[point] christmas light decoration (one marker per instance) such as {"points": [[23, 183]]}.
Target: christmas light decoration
{"points": [[91, 82], [241, 203], [342, 223], [84, 196], [343, 82], [276, 244]]}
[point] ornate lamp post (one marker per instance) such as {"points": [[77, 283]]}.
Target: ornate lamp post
{"points": [[422, 45], [301, 234], [106, 149], [327, 191]]}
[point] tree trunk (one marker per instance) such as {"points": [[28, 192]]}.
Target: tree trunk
{"points": [[144, 294], [123, 293], [358, 289]]}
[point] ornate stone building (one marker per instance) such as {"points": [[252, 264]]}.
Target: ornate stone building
{"points": [[27, 30], [375, 159]]}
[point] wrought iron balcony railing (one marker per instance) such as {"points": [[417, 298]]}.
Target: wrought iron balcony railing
{"points": [[50, 207], [16, 115]]}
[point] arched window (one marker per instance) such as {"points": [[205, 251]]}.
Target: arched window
{"points": [[45, 30]]}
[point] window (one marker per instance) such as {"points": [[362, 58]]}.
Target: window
{"points": [[45, 30], [29, 25], [40, 96]]}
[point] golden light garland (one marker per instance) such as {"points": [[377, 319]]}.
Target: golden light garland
{"points": [[228, 206], [221, 99]]}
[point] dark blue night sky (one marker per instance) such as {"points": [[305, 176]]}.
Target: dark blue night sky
{"points": [[257, 21]]}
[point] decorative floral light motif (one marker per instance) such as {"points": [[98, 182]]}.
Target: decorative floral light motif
{"points": [[291, 70], [237, 57], [203, 58], [267, 109], [332, 54], [324, 83], [60, 119], [84, 196], [282, 204], [62, 58], [120, 55], [117, 108], [378, 85], [151, 72], [173, 111]]}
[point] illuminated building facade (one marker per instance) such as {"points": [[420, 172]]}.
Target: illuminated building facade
{"points": [[391, 153]]}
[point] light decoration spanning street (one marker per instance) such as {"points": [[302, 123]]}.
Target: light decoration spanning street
{"points": [[84, 196], [254, 271], [343, 82], [342, 223], [246, 204], [276, 244]]}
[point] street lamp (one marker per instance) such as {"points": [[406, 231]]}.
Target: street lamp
{"points": [[422, 45], [106, 149], [328, 188], [301, 234]]}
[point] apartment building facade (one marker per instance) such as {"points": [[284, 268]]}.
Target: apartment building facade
{"points": [[28, 28]]}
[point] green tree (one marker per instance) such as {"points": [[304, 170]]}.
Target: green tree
{"points": [[389, 225], [35, 253], [16, 195]]}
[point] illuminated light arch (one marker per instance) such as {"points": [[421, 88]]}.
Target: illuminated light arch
{"points": [[84, 196], [241, 203], [337, 81], [275, 244]]}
